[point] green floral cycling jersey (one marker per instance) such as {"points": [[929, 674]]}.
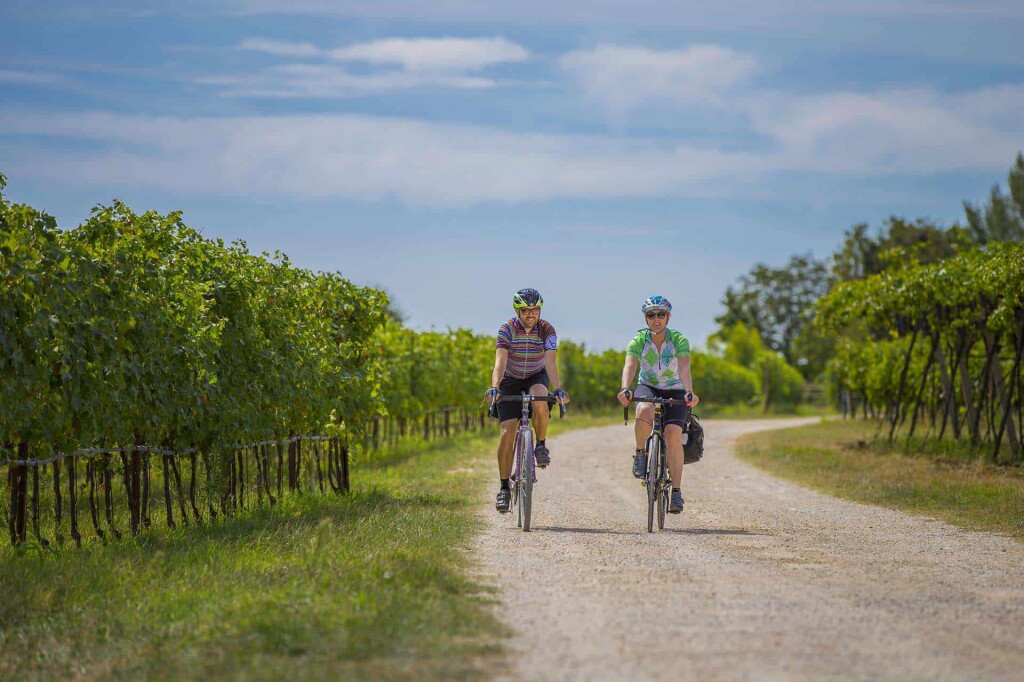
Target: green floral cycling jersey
{"points": [[660, 370]]}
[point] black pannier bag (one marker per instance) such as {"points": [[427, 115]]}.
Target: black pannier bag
{"points": [[694, 448]]}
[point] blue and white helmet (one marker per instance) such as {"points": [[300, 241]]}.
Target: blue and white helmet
{"points": [[656, 302]]}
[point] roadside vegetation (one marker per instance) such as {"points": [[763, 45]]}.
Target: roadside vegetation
{"points": [[366, 585], [756, 411], [917, 322], [369, 585], [852, 459], [916, 333]]}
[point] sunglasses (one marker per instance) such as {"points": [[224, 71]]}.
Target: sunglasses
{"points": [[660, 316]]}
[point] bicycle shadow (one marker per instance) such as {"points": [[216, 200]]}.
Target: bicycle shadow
{"points": [[591, 531], [709, 531], [681, 531]]}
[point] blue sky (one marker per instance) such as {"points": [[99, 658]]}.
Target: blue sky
{"points": [[454, 152]]}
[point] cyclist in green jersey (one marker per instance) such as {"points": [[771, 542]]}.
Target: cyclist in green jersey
{"points": [[663, 357]]}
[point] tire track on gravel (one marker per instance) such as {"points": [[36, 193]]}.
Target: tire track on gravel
{"points": [[758, 579]]}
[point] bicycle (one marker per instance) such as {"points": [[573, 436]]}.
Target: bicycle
{"points": [[524, 468], [657, 481]]}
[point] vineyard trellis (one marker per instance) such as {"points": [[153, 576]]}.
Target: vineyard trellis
{"points": [[445, 422], [243, 477], [939, 344], [215, 483], [132, 337]]}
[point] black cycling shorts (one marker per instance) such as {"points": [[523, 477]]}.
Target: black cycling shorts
{"points": [[512, 386], [671, 414]]}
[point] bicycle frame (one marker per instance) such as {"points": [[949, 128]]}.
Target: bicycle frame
{"points": [[524, 437], [658, 480], [524, 467]]}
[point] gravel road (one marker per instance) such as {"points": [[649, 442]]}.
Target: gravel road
{"points": [[757, 580]]}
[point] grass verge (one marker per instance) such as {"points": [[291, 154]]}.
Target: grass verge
{"points": [[757, 412], [370, 585], [845, 459]]}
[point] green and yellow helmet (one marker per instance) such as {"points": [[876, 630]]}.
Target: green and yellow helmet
{"points": [[527, 298]]}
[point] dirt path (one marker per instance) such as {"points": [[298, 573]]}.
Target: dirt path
{"points": [[757, 580]]}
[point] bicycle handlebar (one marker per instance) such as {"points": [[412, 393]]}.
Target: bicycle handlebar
{"points": [[660, 401], [530, 398], [656, 400]]}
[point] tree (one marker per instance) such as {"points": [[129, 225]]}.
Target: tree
{"points": [[392, 311], [777, 302], [1002, 218], [741, 346], [899, 241]]}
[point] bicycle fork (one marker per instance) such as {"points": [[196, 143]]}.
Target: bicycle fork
{"points": [[663, 480]]}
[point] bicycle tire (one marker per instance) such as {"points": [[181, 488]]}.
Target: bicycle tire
{"points": [[514, 482], [517, 464], [664, 491], [519, 512], [528, 470], [653, 452], [662, 507]]}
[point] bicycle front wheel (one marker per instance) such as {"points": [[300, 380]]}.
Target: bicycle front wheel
{"points": [[653, 454], [662, 505], [517, 475], [528, 470]]}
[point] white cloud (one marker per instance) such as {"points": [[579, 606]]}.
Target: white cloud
{"points": [[393, 64], [652, 13], [434, 54], [625, 78], [333, 81], [910, 132], [610, 230], [1000, 105], [895, 131], [30, 77], [362, 158], [280, 49]]}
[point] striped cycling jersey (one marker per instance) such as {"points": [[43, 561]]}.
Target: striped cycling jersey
{"points": [[526, 349]]}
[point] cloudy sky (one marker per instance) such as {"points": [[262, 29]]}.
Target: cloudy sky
{"points": [[456, 151]]}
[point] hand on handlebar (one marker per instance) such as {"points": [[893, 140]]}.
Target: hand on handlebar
{"points": [[492, 394], [691, 399], [561, 396], [624, 396]]}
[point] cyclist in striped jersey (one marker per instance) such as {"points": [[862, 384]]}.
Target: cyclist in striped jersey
{"points": [[524, 361]]}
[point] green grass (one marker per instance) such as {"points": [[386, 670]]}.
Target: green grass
{"points": [[756, 412], [371, 585], [942, 480]]}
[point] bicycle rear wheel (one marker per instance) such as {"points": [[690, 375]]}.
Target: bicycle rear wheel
{"points": [[526, 492], [653, 455]]}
